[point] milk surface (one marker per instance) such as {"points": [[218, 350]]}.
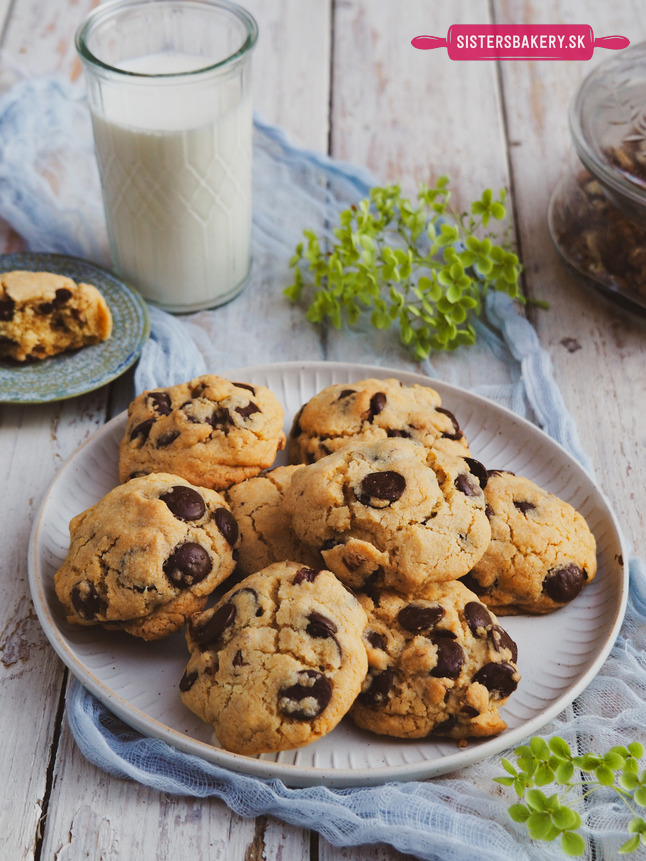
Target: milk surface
{"points": [[175, 165]]}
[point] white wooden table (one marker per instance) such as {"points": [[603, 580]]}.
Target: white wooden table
{"points": [[340, 77]]}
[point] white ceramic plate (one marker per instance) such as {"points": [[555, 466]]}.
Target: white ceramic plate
{"points": [[559, 653]]}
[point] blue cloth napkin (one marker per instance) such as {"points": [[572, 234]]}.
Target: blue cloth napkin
{"points": [[45, 131]]}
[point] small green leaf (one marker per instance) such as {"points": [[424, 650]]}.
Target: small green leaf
{"points": [[572, 844], [559, 746], [566, 819], [630, 845], [640, 796], [518, 812]]}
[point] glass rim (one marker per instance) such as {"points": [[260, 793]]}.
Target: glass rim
{"points": [[106, 11]]}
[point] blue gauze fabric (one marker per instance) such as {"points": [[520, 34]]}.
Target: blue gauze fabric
{"points": [[44, 133]]}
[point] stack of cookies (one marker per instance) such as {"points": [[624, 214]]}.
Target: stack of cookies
{"points": [[361, 579]]}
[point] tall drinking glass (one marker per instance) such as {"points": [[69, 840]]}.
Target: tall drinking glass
{"points": [[169, 91]]}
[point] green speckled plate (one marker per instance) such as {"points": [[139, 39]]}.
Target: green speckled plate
{"points": [[74, 373]]}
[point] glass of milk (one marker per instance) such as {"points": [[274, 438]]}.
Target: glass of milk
{"points": [[169, 92]]}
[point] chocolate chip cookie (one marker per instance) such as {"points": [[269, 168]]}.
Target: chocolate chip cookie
{"points": [[278, 661], [542, 552], [211, 431], [266, 534], [147, 556], [392, 513], [43, 314], [369, 410], [439, 664]]}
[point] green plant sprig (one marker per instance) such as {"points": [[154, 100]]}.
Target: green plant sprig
{"points": [[547, 817], [421, 266]]}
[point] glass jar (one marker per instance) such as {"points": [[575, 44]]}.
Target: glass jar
{"points": [[597, 213]]}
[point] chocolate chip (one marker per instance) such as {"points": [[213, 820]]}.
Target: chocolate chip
{"points": [[188, 564], [86, 600], [62, 296], [7, 309], [377, 641], [346, 394], [237, 659], [489, 511], [377, 403], [403, 434], [564, 584], [188, 680], [473, 585], [142, 430], [478, 470], [296, 427], [450, 659], [416, 618], [524, 507], [376, 694], [226, 523], [457, 433], [328, 544], [45, 308], [320, 627], [305, 575], [387, 485], [160, 402], [246, 386], [220, 418], [501, 640], [497, 678], [184, 502], [477, 617], [446, 726], [198, 390], [466, 485], [247, 411], [165, 439], [469, 712], [208, 633], [307, 698]]}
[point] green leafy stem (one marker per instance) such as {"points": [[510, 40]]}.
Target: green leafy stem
{"points": [[544, 762], [421, 266]]}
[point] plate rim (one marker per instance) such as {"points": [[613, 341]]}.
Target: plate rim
{"points": [[304, 775], [42, 257]]}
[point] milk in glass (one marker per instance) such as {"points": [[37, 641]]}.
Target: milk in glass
{"points": [[175, 166]]}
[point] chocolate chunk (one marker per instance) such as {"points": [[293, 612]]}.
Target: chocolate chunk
{"points": [[307, 698], [469, 712], [492, 472], [328, 544], [45, 308], [166, 439], [296, 427], [305, 575], [473, 585], [387, 485], [478, 470], [208, 633], [489, 511], [346, 394], [160, 402], [184, 502], [497, 678], [86, 600], [188, 564], [62, 296], [237, 659], [198, 390], [7, 309], [457, 433], [450, 659], [416, 617], [247, 411], [524, 507], [188, 680], [220, 418], [401, 434], [377, 403], [226, 523], [377, 641], [246, 386], [320, 627], [465, 484], [564, 584], [142, 430], [501, 640], [477, 617], [376, 694], [445, 726]]}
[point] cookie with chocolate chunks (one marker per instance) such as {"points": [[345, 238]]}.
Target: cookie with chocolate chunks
{"points": [[209, 430], [369, 410], [147, 556], [278, 661], [542, 552], [438, 664], [392, 513]]}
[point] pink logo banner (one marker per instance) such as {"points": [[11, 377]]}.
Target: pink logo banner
{"points": [[520, 42]]}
